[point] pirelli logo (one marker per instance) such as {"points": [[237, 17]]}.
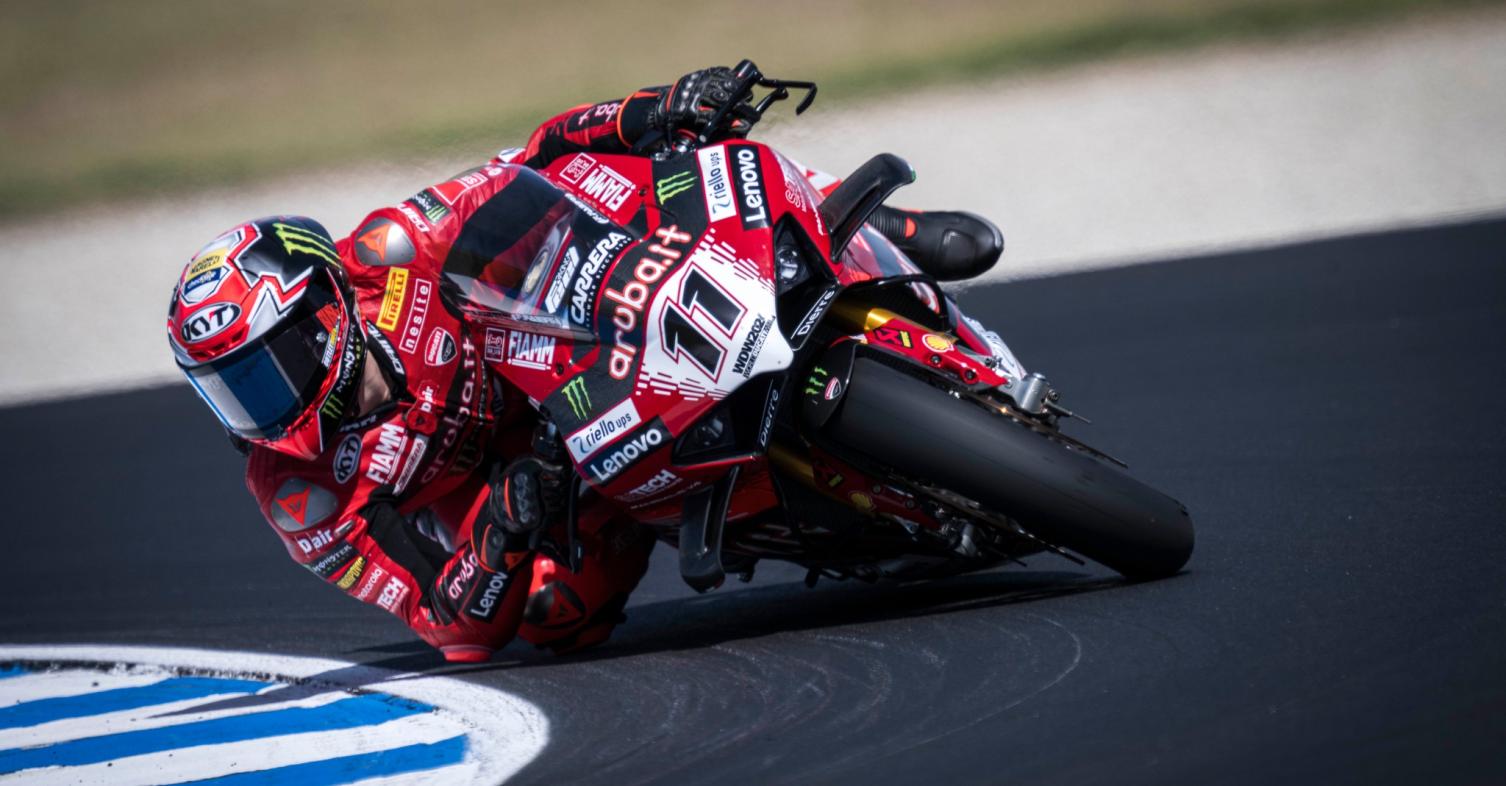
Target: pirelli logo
{"points": [[392, 301]]}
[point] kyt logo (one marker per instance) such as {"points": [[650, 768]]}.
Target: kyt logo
{"points": [[208, 322]]}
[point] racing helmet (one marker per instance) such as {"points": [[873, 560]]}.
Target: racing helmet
{"points": [[263, 322]]}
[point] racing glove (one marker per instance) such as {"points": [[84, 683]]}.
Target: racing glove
{"points": [[526, 496], [688, 105]]}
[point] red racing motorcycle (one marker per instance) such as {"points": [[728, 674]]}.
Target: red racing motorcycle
{"points": [[755, 374]]}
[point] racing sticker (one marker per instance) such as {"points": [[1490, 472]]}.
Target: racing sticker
{"points": [[418, 311], [393, 298], [427, 204], [440, 349], [333, 562], [487, 597], [299, 504], [587, 281], [210, 267], [594, 435], [716, 183], [347, 458], [598, 181], [626, 452], [747, 172], [560, 284]]}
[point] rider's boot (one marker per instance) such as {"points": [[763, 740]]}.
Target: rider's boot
{"points": [[949, 245]]}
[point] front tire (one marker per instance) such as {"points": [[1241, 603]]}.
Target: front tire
{"points": [[1059, 494]]}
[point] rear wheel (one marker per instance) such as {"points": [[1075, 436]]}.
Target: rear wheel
{"points": [[1059, 494]]}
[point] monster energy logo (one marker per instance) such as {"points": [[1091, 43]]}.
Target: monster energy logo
{"points": [[580, 400], [300, 239], [673, 185], [817, 380]]}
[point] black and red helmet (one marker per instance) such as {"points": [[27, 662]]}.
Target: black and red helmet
{"points": [[264, 323]]}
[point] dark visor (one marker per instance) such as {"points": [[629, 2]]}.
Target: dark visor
{"points": [[261, 389]]}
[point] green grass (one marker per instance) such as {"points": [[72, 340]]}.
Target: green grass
{"points": [[107, 101]]}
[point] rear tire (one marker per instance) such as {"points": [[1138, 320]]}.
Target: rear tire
{"points": [[1061, 495]]}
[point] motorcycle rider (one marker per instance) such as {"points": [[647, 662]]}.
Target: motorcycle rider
{"points": [[373, 426]]}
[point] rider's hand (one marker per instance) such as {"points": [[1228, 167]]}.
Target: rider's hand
{"points": [[689, 104], [528, 495]]}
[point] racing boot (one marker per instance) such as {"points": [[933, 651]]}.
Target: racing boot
{"points": [[949, 245]]}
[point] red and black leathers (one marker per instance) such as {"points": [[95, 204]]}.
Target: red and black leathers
{"points": [[385, 514]]}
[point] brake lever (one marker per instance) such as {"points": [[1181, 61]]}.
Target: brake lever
{"points": [[747, 75]]}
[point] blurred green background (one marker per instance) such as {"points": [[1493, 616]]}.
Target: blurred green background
{"points": [[107, 100]]}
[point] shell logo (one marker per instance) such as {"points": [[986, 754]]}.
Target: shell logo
{"points": [[937, 343]]}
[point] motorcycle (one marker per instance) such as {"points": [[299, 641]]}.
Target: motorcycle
{"points": [[754, 373]]}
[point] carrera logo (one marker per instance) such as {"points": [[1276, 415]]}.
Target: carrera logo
{"points": [[210, 321], [752, 346], [562, 279], [593, 436], [715, 182], [441, 348], [413, 326], [577, 169], [583, 289], [631, 299], [607, 187], [385, 455], [529, 350], [347, 458], [626, 452], [392, 299], [750, 188]]}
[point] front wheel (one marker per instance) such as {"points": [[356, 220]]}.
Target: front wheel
{"points": [[1059, 494]]}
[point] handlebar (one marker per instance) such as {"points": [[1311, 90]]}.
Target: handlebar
{"points": [[748, 77]]}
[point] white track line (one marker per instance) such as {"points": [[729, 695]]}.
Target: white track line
{"points": [[505, 731], [182, 765], [154, 717], [71, 683]]}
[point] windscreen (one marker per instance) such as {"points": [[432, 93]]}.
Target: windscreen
{"points": [[518, 254]]}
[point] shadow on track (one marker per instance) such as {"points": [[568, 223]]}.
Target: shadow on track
{"points": [[709, 620]]}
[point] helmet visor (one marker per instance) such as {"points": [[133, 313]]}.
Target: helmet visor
{"points": [[260, 390]]}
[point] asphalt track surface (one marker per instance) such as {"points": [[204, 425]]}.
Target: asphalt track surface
{"points": [[1330, 413]]}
